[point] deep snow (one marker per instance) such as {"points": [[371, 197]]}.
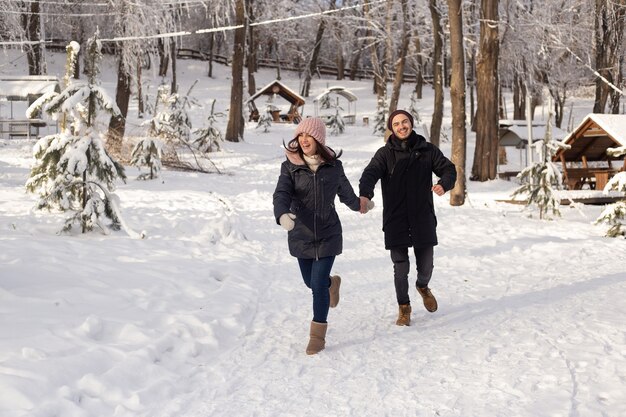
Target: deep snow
{"points": [[208, 315]]}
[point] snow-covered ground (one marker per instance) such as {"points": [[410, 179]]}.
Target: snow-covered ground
{"points": [[208, 315]]}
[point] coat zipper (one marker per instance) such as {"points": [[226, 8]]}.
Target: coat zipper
{"points": [[317, 255]]}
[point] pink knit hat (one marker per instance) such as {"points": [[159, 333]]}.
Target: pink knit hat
{"points": [[313, 126]]}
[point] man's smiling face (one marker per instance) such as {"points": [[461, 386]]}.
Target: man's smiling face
{"points": [[401, 126]]}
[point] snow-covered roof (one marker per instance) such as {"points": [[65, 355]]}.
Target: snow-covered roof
{"points": [[593, 136], [342, 91], [515, 132], [20, 87], [613, 124], [276, 87]]}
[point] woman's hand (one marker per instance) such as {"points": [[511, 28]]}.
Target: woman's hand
{"points": [[287, 221]]}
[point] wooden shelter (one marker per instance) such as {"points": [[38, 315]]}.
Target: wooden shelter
{"points": [[280, 114], [17, 93], [350, 116], [586, 163]]}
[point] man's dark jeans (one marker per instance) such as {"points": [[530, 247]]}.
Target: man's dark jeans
{"points": [[401, 267]]}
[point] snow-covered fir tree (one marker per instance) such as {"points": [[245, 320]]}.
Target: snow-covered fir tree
{"points": [[380, 118], [414, 110], [615, 214], [210, 139], [73, 171], [335, 123], [325, 102], [148, 152], [265, 119], [541, 178]]}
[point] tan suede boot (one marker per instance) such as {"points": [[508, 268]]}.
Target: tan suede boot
{"points": [[333, 290], [430, 302], [404, 315], [317, 340]]}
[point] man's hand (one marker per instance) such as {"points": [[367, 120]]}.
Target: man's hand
{"points": [[437, 189], [366, 205]]}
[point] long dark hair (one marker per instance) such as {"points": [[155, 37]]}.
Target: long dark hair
{"points": [[325, 153]]}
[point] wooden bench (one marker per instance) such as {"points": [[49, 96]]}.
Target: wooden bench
{"points": [[25, 128], [595, 178]]}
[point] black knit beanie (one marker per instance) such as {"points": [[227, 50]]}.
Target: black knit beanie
{"points": [[397, 112]]}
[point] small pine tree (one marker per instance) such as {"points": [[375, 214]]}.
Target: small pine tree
{"points": [[336, 123], [380, 118], [265, 118], [148, 152], [539, 179], [325, 102], [413, 109], [73, 171], [211, 138], [615, 214]]}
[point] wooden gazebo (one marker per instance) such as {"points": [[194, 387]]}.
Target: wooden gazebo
{"points": [[350, 98], [586, 162], [271, 92]]}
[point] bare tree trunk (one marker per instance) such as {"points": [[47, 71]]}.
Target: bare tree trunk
{"points": [[32, 26], [354, 61], [609, 30], [164, 60], [457, 96], [519, 97], [400, 62], [472, 88], [140, 103], [341, 64], [615, 96], [435, 125], [234, 129], [419, 71], [306, 86], [486, 151], [251, 51], [379, 87], [117, 124], [173, 50]]}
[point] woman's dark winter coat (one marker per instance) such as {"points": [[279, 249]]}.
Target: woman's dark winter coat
{"points": [[311, 197], [405, 169]]}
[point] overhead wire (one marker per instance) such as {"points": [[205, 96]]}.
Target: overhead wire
{"points": [[203, 31]]}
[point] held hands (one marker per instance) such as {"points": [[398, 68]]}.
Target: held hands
{"points": [[287, 221], [366, 205], [438, 189]]}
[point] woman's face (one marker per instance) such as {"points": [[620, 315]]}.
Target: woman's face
{"points": [[308, 144]]}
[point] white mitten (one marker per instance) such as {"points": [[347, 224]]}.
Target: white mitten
{"points": [[287, 221], [370, 205]]}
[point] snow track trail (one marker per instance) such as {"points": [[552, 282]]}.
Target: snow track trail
{"points": [[208, 316], [491, 349]]}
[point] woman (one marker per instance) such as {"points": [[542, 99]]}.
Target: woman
{"points": [[304, 204]]}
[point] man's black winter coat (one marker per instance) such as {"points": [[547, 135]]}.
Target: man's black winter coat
{"points": [[405, 169], [311, 197]]}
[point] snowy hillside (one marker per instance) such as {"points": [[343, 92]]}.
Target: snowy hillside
{"points": [[208, 315]]}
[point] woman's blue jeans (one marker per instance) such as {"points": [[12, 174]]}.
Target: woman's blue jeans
{"points": [[316, 276]]}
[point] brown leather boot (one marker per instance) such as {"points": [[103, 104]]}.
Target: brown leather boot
{"points": [[430, 302], [317, 340], [404, 315], [333, 290]]}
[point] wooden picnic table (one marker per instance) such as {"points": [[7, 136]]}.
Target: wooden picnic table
{"points": [[595, 178]]}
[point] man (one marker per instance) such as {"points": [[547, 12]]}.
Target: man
{"points": [[405, 166]]}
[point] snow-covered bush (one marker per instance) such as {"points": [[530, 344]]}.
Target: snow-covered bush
{"points": [[210, 139], [72, 170], [380, 118], [615, 214], [148, 152], [540, 178]]}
